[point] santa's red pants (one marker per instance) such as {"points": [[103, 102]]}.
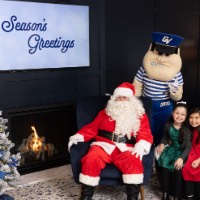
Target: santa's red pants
{"points": [[96, 159]]}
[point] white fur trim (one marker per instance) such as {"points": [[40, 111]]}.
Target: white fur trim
{"points": [[133, 178], [107, 147], [120, 91], [80, 137], [88, 180], [123, 147], [146, 145]]}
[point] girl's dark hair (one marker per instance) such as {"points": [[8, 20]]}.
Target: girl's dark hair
{"points": [[183, 125], [192, 111]]}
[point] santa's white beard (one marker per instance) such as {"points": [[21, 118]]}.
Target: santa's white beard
{"points": [[126, 114]]}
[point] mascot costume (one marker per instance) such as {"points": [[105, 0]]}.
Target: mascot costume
{"points": [[160, 79]]}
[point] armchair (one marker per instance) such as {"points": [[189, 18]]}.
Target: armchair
{"points": [[86, 109]]}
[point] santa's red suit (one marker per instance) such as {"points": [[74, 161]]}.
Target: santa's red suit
{"points": [[104, 150]]}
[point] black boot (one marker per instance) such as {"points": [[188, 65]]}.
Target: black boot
{"points": [[165, 196], [132, 191], [177, 198], [190, 198], [87, 192]]}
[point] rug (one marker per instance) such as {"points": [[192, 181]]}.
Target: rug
{"points": [[64, 188]]}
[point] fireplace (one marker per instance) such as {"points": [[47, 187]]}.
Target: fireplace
{"points": [[40, 134]]}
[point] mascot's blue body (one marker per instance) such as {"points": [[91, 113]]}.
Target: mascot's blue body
{"points": [[160, 79]]}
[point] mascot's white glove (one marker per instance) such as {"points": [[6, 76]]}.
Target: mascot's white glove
{"points": [[173, 87], [138, 150], [74, 139]]}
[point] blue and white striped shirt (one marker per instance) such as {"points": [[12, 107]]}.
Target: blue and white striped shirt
{"points": [[156, 90]]}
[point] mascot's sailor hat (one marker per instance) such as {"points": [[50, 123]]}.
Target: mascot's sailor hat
{"points": [[166, 43]]}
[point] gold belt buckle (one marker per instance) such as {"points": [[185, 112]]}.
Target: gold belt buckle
{"points": [[113, 136], [117, 138]]}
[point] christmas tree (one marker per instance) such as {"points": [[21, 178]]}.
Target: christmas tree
{"points": [[8, 161]]}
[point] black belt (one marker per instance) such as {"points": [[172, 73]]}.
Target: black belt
{"points": [[115, 138]]}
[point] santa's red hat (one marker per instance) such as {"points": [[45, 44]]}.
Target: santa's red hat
{"points": [[125, 89]]}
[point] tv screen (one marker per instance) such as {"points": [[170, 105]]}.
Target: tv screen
{"points": [[37, 35]]}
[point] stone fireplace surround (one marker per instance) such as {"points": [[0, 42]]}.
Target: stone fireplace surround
{"points": [[53, 125]]}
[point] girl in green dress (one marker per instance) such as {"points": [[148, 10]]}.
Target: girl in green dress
{"points": [[173, 150]]}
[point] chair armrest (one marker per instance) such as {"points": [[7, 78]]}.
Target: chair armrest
{"points": [[148, 165], [76, 154]]}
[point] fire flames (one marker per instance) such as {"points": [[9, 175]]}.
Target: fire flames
{"points": [[36, 145]]}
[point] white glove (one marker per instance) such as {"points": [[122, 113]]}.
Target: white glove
{"points": [[173, 87], [74, 139], [138, 150]]}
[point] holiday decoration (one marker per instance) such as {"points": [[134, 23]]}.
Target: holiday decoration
{"points": [[8, 161]]}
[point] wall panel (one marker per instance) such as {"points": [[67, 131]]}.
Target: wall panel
{"points": [[127, 39], [88, 86]]}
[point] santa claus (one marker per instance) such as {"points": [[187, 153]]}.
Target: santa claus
{"points": [[122, 135]]}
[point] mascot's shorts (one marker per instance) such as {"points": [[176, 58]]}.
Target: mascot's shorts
{"points": [[161, 111]]}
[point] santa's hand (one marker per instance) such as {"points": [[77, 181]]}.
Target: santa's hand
{"points": [[138, 150], [74, 139], [173, 87]]}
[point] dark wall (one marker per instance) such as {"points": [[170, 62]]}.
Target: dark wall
{"points": [[128, 35], [120, 35], [36, 87]]}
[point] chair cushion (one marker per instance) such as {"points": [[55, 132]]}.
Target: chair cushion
{"points": [[110, 171]]}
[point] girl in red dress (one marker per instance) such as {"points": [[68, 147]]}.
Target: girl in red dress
{"points": [[191, 170]]}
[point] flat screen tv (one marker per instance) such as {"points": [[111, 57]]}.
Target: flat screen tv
{"points": [[37, 35]]}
